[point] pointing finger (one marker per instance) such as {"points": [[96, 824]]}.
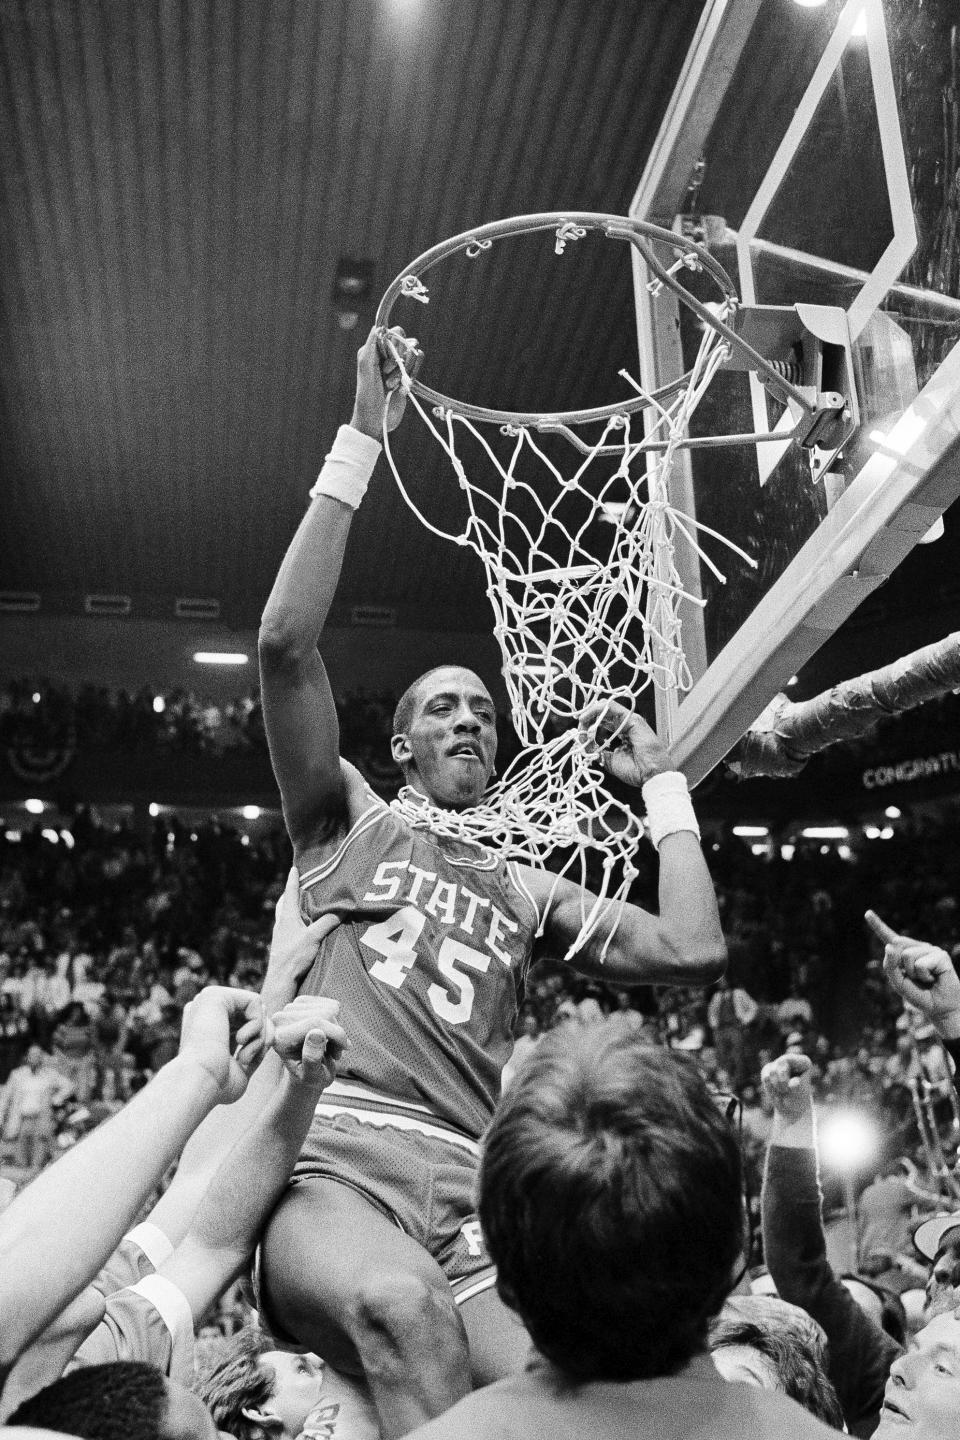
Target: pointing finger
{"points": [[880, 928]]}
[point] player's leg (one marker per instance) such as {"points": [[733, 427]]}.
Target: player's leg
{"points": [[343, 1281], [499, 1342]]}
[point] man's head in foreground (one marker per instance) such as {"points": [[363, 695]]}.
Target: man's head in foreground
{"points": [[923, 1392], [126, 1400], [610, 1197], [445, 736]]}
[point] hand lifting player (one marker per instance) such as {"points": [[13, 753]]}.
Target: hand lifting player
{"points": [[375, 1259]]}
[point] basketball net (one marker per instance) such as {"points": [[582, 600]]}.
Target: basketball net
{"points": [[579, 620]]}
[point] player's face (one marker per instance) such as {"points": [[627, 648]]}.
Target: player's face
{"points": [[943, 1286], [923, 1392], [452, 738]]}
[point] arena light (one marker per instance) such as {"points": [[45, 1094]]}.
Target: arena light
{"points": [[33, 807], [251, 812], [67, 839], [220, 657], [893, 812], [154, 809], [872, 832], [848, 1139], [826, 832], [51, 835], [159, 704], [748, 832], [36, 697]]}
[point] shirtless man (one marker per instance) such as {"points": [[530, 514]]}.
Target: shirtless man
{"points": [[375, 1259]]}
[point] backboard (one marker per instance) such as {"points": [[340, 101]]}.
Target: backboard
{"points": [[807, 148]]}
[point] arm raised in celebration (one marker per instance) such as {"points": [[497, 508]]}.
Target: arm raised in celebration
{"points": [[298, 709]]}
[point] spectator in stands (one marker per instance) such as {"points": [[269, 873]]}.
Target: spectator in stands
{"points": [[887, 1221], [27, 1106], [610, 1199], [14, 1035], [730, 1014], [73, 1050], [938, 1241]]}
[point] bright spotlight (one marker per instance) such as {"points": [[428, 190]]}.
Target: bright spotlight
{"points": [[33, 807], [154, 809], [52, 836], [860, 25], [892, 813], [826, 832], [219, 657], [849, 1139], [750, 831], [251, 812], [159, 704]]}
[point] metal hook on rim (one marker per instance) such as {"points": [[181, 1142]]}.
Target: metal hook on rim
{"points": [[414, 289], [568, 231], [476, 247]]}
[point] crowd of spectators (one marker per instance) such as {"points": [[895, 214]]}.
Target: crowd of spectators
{"points": [[107, 934], [102, 944], [37, 715]]}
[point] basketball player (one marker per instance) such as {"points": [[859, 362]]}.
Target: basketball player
{"points": [[374, 1258]]}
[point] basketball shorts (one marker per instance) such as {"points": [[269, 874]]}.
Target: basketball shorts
{"points": [[413, 1167]]}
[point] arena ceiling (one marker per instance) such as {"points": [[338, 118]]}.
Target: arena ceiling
{"points": [[180, 183]]}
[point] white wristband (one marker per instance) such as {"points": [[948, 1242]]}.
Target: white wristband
{"points": [[669, 807], [347, 469]]}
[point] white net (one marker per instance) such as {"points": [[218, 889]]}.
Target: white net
{"points": [[582, 577]]}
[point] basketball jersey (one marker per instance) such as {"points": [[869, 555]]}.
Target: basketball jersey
{"points": [[428, 964]]}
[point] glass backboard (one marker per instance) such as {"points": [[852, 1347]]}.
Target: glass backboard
{"points": [[807, 148]]}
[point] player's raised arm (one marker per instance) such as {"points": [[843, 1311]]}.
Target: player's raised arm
{"points": [[684, 944], [298, 708]]}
